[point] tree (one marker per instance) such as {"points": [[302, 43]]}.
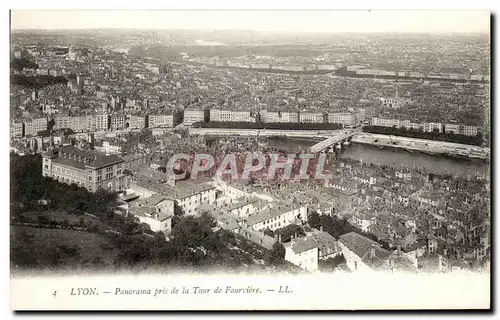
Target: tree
{"points": [[314, 220], [331, 264], [289, 231], [276, 255], [178, 211]]}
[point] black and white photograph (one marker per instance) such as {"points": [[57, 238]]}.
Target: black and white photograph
{"points": [[275, 144]]}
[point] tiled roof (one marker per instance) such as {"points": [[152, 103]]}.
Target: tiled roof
{"points": [[74, 157], [362, 246], [325, 241], [303, 244], [269, 214]]}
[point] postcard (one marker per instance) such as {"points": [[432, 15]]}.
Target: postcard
{"points": [[250, 160]]}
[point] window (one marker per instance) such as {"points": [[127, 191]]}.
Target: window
{"points": [[99, 172], [90, 178], [99, 178], [46, 166]]}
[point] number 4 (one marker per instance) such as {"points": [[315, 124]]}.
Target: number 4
{"points": [[55, 293]]}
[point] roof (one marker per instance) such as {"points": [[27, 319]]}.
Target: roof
{"points": [[74, 157], [129, 196], [362, 246], [269, 214], [151, 201], [242, 202], [325, 241], [302, 245], [258, 237], [151, 212]]}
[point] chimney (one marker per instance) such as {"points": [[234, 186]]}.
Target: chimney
{"points": [[399, 249], [372, 251], [321, 228], [295, 235], [279, 238]]}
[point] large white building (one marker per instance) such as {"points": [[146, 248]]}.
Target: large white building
{"points": [[383, 122], [135, 122], [219, 115], [161, 121], [16, 129], [344, 118], [193, 115], [33, 126], [85, 123], [117, 122], [302, 252], [276, 217], [87, 169], [469, 130], [432, 126], [311, 117], [279, 116], [101, 122]]}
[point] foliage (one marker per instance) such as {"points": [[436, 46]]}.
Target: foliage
{"points": [[38, 81], [280, 126], [277, 255], [331, 264], [28, 186], [435, 135], [337, 227], [289, 231], [21, 63]]}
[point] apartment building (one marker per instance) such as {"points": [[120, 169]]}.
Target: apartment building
{"points": [[164, 120], [311, 117], [218, 115], [16, 129], [101, 122], [432, 126], [87, 169], [193, 115], [33, 126], [279, 116], [135, 122], [277, 217], [469, 130], [452, 128], [117, 122], [345, 118]]}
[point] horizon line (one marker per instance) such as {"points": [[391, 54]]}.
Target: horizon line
{"points": [[252, 30]]}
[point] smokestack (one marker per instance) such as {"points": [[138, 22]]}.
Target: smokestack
{"points": [[279, 238], [321, 228], [399, 249]]}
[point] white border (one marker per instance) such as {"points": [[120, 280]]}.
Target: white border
{"points": [[256, 4]]}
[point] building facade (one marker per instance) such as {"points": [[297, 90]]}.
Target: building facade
{"points": [[87, 169], [218, 115], [193, 115], [311, 117]]}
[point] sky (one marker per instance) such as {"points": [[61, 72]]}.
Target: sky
{"points": [[416, 21]]}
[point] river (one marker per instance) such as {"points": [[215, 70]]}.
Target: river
{"points": [[396, 158]]}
